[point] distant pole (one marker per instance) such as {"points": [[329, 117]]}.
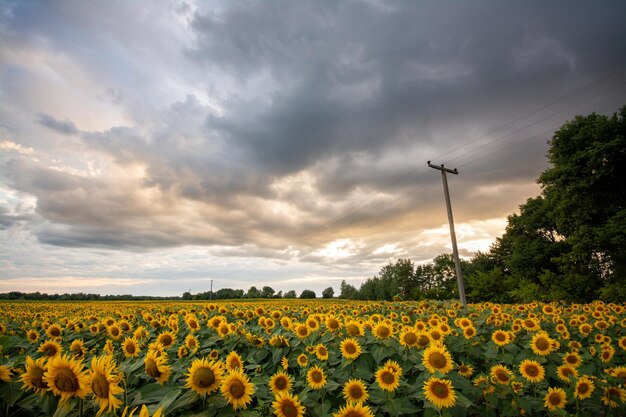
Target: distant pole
{"points": [[455, 251], [211, 292]]}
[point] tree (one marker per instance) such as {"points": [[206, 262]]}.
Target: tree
{"points": [[307, 294], [347, 291], [186, 295], [253, 292], [267, 292], [569, 242], [328, 293]]}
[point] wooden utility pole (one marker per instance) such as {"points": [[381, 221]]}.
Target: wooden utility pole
{"points": [[455, 251], [211, 292]]}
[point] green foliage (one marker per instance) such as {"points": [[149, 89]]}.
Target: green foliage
{"points": [[569, 242], [328, 293], [307, 294]]}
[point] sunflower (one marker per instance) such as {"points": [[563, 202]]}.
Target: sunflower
{"points": [[114, 332], [192, 342], [104, 384], [280, 382], [387, 379], [156, 366], [321, 352], [566, 373], [354, 410], [501, 374], [541, 344], [350, 348], [555, 398], [408, 337], [332, 323], [66, 378], [234, 361], [355, 391], [77, 349], [130, 347], [204, 377], [237, 389], [301, 330], [353, 328], [167, 339], [465, 370], [108, 347], [437, 358], [144, 412], [5, 373], [316, 378], [303, 360], [618, 372], [284, 362], [50, 348], [501, 337], [440, 392], [394, 367], [533, 371], [382, 331], [469, 332], [32, 336], [607, 353], [584, 388], [612, 394], [288, 405], [573, 359], [54, 331], [32, 378]]}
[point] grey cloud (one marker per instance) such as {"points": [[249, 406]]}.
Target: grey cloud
{"points": [[64, 127]]}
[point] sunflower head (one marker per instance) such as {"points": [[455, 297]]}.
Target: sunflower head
{"points": [[204, 377], [280, 382], [355, 391], [387, 379], [532, 371], [437, 358], [103, 382], [555, 399], [288, 405], [130, 347], [350, 348], [32, 378], [542, 344], [500, 374], [234, 361], [584, 388], [66, 377], [237, 389], [440, 392], [50, 348], [316, 378], [156, 366]]}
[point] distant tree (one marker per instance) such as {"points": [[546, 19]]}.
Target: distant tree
{"points": [[290, 294], [279, 294], [307, 294], [328, 293], [186, 295], [253, 292], [267, 292], [347, 291]]}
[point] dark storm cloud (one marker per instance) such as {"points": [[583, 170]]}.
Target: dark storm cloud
{"points": [[64, 127], [358, 94], [370, 78]]}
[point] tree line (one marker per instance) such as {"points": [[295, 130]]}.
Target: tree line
{"points": [[568, 243]]}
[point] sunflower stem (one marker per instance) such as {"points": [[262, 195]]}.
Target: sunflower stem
{"points": [[80, 407]]}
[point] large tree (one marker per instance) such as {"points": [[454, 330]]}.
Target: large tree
{"points": [[569, 242]]}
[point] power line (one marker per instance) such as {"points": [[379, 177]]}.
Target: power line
{"points": [[399, 182]]}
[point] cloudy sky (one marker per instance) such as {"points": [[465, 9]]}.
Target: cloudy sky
{"points": [[147, 147]]}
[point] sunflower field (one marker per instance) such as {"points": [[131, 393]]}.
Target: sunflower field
{"points": [[292, 358]]}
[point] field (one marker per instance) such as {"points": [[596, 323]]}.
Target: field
{"points": [[311, 358]]}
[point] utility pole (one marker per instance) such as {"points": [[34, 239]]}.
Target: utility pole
{"points": [[211, 293], [455, 251]]}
